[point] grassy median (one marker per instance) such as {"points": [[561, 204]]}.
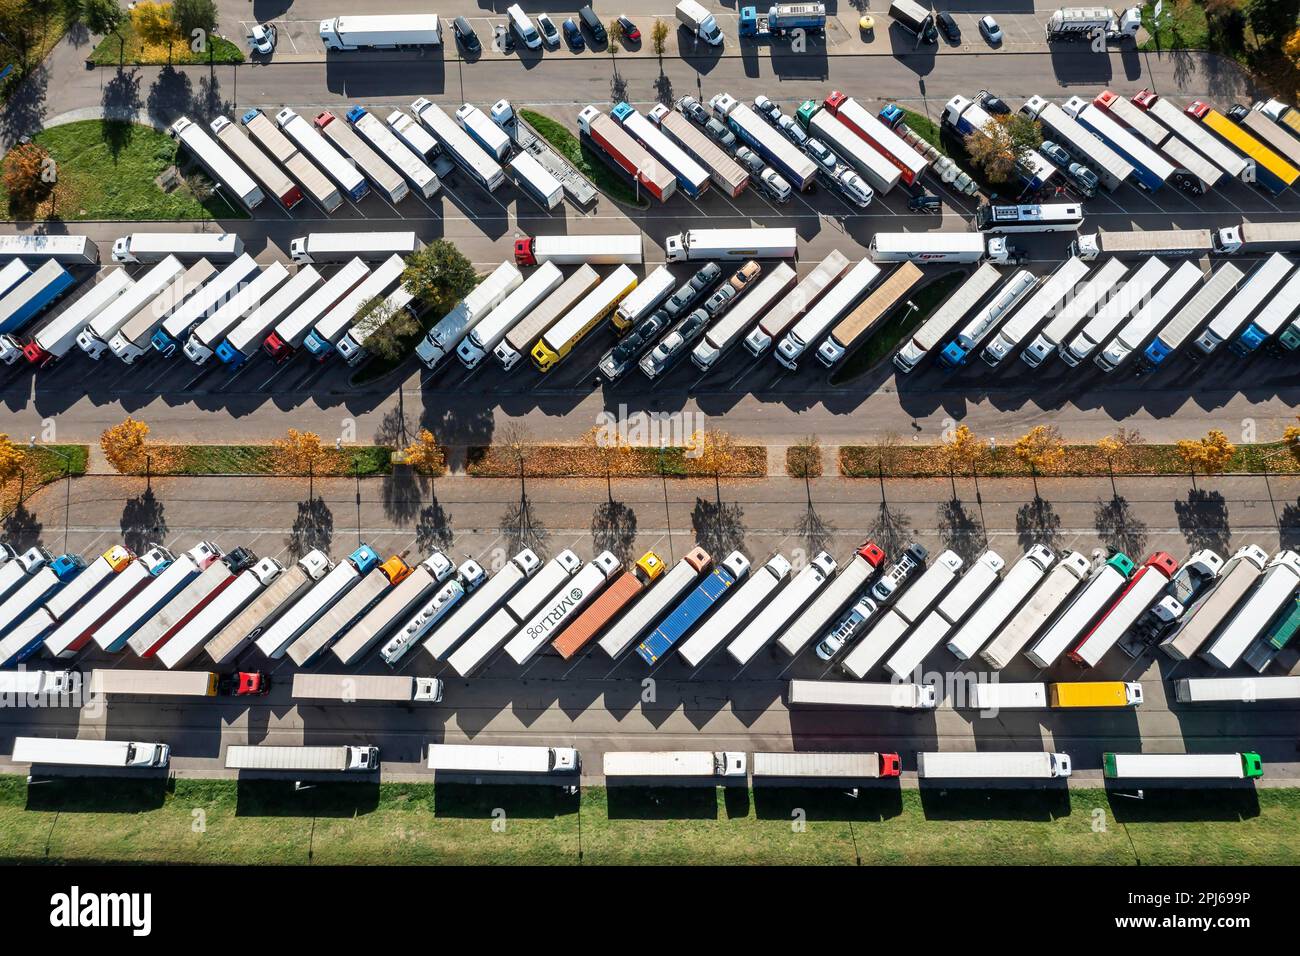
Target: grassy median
{"points": [[222, 821], [582, 158]]}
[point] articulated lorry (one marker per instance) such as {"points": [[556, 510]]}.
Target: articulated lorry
{"points": [[981, 325], [243, 340], [323, 154], [1258, 288], [674, 763], [1130, 297], [354, 346], [848, 693], [753, 594], [550, 619], [627, 157], [459, 146], [206, 301], [1047, 300], [842, 589], [64, 751], [323, 595], [621, 249], [860, 324], [57, 336], [67, 249], [300, 166], [39, 626], [531, 327], [79, 627], [824, 765], [188, 640], [280, 595], [927, 247], [878, 170], [1276, 589], [789, 602], [1046, 600], [484, 131], [486, 599], [1091, 694], [486, 335], [988, 764], [1151, 316], [382, 176], [150, 248], [323, 248], [227, 175], [644, 299], [735, 323], [382, 139], [545, 590], [284, 340], [727, 174], [944, 319], [1150, 169], [154, 633], [1143, 589], [15, 569], [1238, 766], [353, 688], [432, 610], [113, 634], [1277, 310], [1086, 301], [692, 178], [829, 308], [562, 337], [118, 682], [536, 181], [731, 245], [693, 608], [760, 136], [94, 338], [347, 610], [393, 606], [966, 594], [256, 162], [209, 333], [621, 593], [325, 759], [335, 323], [1111, 168], [805, 295], [471, 758], [442, 339], [1088, 602], [1015, 586], [39, 584], [135, 336], [381, 31], [1193, 133], [653, 605], [32, 296]]}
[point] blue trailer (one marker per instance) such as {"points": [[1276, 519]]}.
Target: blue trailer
{"points": [[782, 19], [762, 137], [1150, 169], [693, 607], [33, 295], [692, 177], [38, 586]]}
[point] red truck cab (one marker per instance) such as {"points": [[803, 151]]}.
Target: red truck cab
{"points": [[871, 553], [524, 252], [890, 765], [245, 684]]}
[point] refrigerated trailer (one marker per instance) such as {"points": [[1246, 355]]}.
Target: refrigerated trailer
{"points": [[653, 605], [842, 589], [134, 337], [760, 136], [731, 245], [829, 308], [67, 249], [32, 296], [382, 139], [74, 631], [330, 328], [980, 325], [847, 693], [727, 174], [547, 588], [226, 174], [381, 175], [1189, 318], [965, 594], [484, 336], [323, 154], [622, 249], [1238, 766], [1249, 297], [560, 339], [527, 331], [1129, 297], [484, 131], [155, 247], [1131, 334], [486, 599], [262, 168], [115, 681], [804, 296], [1143, 589], [879, 171], [322, 595], [550, 619], [1047, 599], [210, 332], [1022, 578], [1150, 170], [132, 755], [1082, 610], [353, 688], [1237, 576], [377, 582], [1276, 588], [381, 31], [156, 632], [203, 303], [458, 145], [1240, 690], [113, 634], [191, 637], [54, 339], [987, 764], [860, 323], [692, 178], [431, 611], [339, 758], [788, 602], [1111, 168], [300, 166], [1047, 300], [826, 765], [534, 179], [471, 758], [287, 336], [938, 326], [393, 607], [242, 341], [482, 301], [728, 330], [1086, 300], [1277, 310], [674, 763], [941, 247], [621, 593]]}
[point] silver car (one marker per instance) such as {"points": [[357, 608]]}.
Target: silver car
{"points": [[793, 130], [750, 160], [691, 108], [852, 624], [819, 152], [719, 133]]}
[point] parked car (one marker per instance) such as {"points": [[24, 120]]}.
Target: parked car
{"points": [[550, 35], [692, 110], [630, 31], [503, 38], [924, 203], [261, 39], [765, 107], [992, 32], [746, 274], [993, 105], [573, 34], [592, 23], [682, 299], [776, 188], [1084, 178], [819, 152], [720, 133], [1056, 153], [792, 130], [894, 578], [750, 160], [466, 36], [948, 26], [720, 299]]}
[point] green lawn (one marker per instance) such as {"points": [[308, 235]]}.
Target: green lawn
{"points": [[899, 324], [221, 821], [924, 127], [128, 49], [261, 460], [586, 162], [106, 170]]}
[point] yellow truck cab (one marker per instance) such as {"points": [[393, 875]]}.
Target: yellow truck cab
{"points": [[395, 569]]}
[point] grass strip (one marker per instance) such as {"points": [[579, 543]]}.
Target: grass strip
{"points": [[582, 158]]}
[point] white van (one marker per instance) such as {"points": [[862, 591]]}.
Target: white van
{"points": [[524, 27]]}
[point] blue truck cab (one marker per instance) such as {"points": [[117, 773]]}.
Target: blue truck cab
{"points": [[364, 558], [891, 114], [692, 608]]}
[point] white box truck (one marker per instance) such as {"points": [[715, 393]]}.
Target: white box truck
{"points": [[432, 610], [550, 619], [486, 599], [153, 247], [392, 607], [674, 763], [848, 693], [752, 594], [731, 245], [353, 688], [64, 751], [487, 334], [790, 601], [698, 22], [1049, 597], [542, 590], [326, 759], [191, 638], [534, 179], [992, 765], [280, 595], [842, 589], [1002, 603], [472, 758], [443, 338]]}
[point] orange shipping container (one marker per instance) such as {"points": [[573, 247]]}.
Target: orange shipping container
{"points": [[616, 597]]}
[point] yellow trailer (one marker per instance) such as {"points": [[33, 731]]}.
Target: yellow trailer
{"points": [[1096, 693]]}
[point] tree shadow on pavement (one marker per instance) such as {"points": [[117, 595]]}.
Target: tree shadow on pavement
{"points": [[1203, 520], [24, 114], [1118, 528], [961, 531], [816, 532], [1037, 523], [891, 529], [170, 95], [1288, 526], [664, 89], [521, 528], [613, 528], [401, 495], [21, 529], [312, 528], [143, 521], [433, 527], [719, 527]]}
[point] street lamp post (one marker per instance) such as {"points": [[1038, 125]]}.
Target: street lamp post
{"points": [[67, 493]]}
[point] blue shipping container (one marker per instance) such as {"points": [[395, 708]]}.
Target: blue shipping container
{"points": [[693, 607]]}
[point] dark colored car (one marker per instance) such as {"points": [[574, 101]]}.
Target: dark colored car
{"points": [[592, 23], [630, 31], [466, 36], [688, 292], [573, 35], [924, 203], [948, 26]]}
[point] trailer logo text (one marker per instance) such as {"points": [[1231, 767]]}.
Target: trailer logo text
{"points": [[76, 909]]}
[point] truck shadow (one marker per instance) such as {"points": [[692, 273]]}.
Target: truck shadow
{"points": [[839, 801], [72, 795], [945, 802], [283, 798]]}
